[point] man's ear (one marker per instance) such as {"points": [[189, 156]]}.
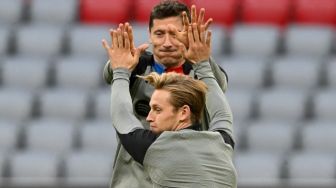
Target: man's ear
{"points": [[185, 113]]}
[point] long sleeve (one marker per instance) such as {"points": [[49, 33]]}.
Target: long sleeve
{"points": [[135, 139], [122, 114], [216, 103]]}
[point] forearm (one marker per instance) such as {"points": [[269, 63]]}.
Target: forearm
{"points": [[216, 102], [122, 115]]}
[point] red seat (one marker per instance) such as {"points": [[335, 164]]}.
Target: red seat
{"points": [[266, 11], [143, 9], [315, 11], [105, 11], [222, 11]]}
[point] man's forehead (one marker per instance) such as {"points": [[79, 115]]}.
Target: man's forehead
{"points": [[175, 20], [159, 97]]}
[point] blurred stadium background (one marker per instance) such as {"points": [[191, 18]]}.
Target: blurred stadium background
{"points": [[55, 129]]}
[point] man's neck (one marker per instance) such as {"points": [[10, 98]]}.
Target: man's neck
{"points": [[170, 65], [182, 125]]}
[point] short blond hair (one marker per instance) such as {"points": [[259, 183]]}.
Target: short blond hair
{"points": [[184, 90]]}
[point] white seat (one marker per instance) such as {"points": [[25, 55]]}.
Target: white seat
{"points": [[296, 72], [25, 72], [4, 39], [319, 136], [282, 103], [54, 12], [241, 102], [15, 104], [3, 162], [305, 40], [86, 40], [34, 169], [88, 168], [50, 135], [78, 72], [64, 103], [276, 137], [102, 104], [245, 72], [331, 73], [258, 169], [98, 136], [140, 33], [325, 104], [219, 37], [39, 40], [11, 11], [239, 134], [311, 169], [255, 40], [9, 136]]}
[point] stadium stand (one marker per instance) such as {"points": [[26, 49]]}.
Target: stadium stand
{"points": [[315, 12], [223, 12], [55, 126], [270, 12], [105, 11], [49, 11], [11, 12]]}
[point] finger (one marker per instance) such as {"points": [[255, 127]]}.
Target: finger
{"points": [[201, 17], [175, 41], [121, 27], [115, 39], [207, 24], [126, 41], [111, 35], [120, 39], [143, 47], [202, 34], [185, 20], [190, 36], [172, 29], [208, 39], [195, 32], [105, 45], [131, 37], [193, 14], [183, 49], [140, 50]]}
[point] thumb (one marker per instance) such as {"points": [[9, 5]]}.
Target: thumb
{"points": [[140, 49], [183, 49], [172, 29]]}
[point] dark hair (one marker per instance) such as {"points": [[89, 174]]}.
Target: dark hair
{"points": [[166, 9]]}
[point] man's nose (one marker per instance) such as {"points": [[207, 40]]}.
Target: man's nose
{"points": [[167, 42], [149, 117]]}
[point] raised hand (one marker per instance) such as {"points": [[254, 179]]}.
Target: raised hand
{"points": [[182, 36], [122, 53], [199, 42]]}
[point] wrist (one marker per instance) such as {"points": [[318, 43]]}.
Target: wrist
{"points": [[121, 73]]}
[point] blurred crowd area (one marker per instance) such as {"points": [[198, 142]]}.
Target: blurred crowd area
{"points": [[55, 127]]}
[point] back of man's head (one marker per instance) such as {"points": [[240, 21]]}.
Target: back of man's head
{"points": [[166, 9]]}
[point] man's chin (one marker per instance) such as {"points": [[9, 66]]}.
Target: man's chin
{"points": [[155, 130], [170, 61]]}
